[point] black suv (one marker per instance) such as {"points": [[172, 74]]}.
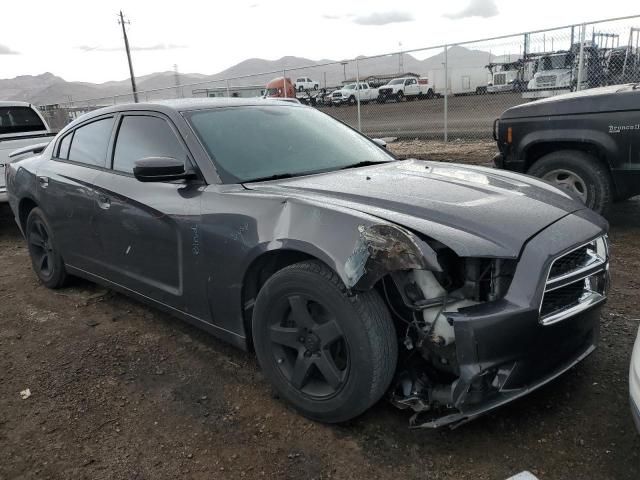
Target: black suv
{"points": [[586, 142]]}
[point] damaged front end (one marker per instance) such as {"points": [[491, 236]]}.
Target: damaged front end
{"points": [[474, 332], [430, 379]]}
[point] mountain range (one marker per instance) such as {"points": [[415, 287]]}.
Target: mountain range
{"points": [[48, 88]]}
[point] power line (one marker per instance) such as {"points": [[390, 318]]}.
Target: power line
{"points": [[121, 21]]}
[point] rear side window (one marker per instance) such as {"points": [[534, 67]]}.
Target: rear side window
{"points": [[63, 148], [19, 120], [144, 136], [90, 143]]}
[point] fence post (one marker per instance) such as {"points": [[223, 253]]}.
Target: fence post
{"points": [[446, 93], [228, 94], [284, 82], [581, 61], [358, 94]]}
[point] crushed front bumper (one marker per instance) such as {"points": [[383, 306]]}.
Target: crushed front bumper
{"points": [[530, 358], [504, 351]]}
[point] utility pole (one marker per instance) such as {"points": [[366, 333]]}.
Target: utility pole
{"points": [[126, 46], [400, 59], [176, 77]]}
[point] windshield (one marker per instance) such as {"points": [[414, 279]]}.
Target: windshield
{"points": [[19, 120], [555, 62], [397, 81], [254, 142]]}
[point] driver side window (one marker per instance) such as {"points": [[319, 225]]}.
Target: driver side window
{"points": [[142, 136]]}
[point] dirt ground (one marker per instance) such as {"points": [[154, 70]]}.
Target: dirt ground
{"points": [[121, 391]]}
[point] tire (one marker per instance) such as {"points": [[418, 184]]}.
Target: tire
{"points": [[399, 96], [308, 298], [300, 88], [579, 172], [45, 257], [430, 94], [352, 100]]}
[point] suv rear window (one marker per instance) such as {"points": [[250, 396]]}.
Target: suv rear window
{"points": [[19, 120]]}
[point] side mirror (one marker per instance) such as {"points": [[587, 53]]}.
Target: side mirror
{"points": [[160, 169], [379, 142]]}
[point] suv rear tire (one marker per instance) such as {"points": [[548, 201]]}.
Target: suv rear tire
{"points": [[579, 172], [329, 354]]}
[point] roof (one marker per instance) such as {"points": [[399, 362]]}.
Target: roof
{"points": [[12, 103], [183, 105]]}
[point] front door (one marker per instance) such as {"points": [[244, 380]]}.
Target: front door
{"points": [[148, 230]]}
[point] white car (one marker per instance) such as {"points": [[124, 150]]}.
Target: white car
{"points": [[634, 382], [21, 125], [405, 87], [305, 83]]}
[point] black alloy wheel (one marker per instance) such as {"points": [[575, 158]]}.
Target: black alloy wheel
{"points": [[328, 353], [45, 258]]}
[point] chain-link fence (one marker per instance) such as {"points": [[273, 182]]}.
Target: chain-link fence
{"points": [[445, 92]]}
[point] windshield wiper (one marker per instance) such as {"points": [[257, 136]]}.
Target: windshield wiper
{"points": [[365, 163], [276, 176]]}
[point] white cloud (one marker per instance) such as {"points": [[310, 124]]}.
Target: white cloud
{"points": [[476, 8], [384, 18], [4, 50]]}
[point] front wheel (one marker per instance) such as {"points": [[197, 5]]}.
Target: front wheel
{"points": [[579, 173], [45, 256], [399, 96], [352, 100], [330, 354]]}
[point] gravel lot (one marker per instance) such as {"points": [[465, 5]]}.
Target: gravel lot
{"points": [[119, 390], [469, 116]]}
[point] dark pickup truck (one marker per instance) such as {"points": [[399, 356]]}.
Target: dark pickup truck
{"points": [[585, 142]]}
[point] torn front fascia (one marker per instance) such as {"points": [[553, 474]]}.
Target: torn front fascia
{"points": [[382, 249]]}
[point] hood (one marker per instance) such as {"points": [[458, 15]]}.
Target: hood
{"points": [[603, 99], [473, 210]]}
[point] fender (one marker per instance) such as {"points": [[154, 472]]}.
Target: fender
{"points": [[601, 140], [362, 249]]}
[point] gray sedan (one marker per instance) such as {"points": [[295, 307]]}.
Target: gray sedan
{"points": [[452, 289]]}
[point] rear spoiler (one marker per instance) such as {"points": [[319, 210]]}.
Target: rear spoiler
{"points": [[38, 148]]}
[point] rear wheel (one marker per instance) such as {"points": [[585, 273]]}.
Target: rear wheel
{"points": [[45, 257], [579, 173], [329, 354]]}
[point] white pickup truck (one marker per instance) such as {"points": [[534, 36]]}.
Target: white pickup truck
{"points": [[348, 94], [405, 87], [22, 130]]}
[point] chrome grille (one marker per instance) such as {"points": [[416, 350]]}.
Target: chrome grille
{"points": [[570, 262], [576, 281], [546, 81], [500, 79]]}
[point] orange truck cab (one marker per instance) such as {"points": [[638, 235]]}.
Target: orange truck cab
{"points": [[276, 88]]}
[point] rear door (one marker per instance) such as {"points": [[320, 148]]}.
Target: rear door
{"points": [[66, 191], [148, 230]]}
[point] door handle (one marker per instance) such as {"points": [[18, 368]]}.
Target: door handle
{"points": [[104, 202], [43, 181]]}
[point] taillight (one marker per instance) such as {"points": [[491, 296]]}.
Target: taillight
{"points": [[509, 135]]}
